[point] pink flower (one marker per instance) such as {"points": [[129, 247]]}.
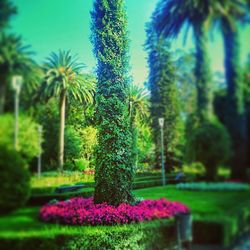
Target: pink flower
{"points": [[81, 211]]}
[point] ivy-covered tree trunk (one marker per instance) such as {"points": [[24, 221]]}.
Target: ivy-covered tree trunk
{"points": [[114, 169], [234, 114], [202, 73], [164, 99]]}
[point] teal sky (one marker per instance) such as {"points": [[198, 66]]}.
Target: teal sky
{"points": [[50, 25]]}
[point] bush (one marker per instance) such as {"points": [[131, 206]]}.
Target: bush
{"points": [[81, 164], [155, 235], [28, 135], [14, 180], [209, 143], [73, 144]]}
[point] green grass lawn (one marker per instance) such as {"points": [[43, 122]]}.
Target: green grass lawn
{"points": [[218, 204], [204, 205]]}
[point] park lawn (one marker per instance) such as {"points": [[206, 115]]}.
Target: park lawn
{"points": [[204, 206]]}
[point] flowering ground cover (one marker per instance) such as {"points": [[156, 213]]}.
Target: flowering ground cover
{"points": [[83, 211]]}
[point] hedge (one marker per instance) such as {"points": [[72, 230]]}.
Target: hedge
{"points": [[155, 235]]}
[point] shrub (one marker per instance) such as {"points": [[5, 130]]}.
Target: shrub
{"points": [[73, 144], [80, 211], [28, 135], [14, 180], [155, 235], [81, 164], [209, 143]]}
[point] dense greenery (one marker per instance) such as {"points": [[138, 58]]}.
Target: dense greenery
{"points": [[194, 14], [14, 180], [164, 97], [138, 99], [114, 168], [234, 114], [63, 80], [209, 144], [28, 145]]}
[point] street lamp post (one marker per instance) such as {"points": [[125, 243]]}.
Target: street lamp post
{"points": [[39, 159], [16, 84], [161, 123]]}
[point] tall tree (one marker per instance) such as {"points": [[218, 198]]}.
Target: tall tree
{"points": [[247, 104], [164, 96], [64, 80], [228, 13], [114, 168], [169, 19]]}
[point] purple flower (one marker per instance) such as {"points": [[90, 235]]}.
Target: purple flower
{"points": [[81, 211]]}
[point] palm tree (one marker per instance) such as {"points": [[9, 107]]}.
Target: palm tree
{"points": [[227, 15], [138, 101], [7, 9], [169, 19], [14, 59], [64, 80]]}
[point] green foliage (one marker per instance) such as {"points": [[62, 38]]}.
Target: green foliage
{"points": [[7, 10], [14, 59], [63, 80], [149, 235], [138, 100], [89, 141], [28, 136], [48, 116], [209, 143], [72, 147], [168, 20], [114, 168], [145, 147], [164, 98], [80, 145], [14, 180], [63, 73], [81, 164], [184, 69], [235, 113]]}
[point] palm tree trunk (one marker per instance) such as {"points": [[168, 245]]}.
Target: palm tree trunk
{"points": [[61, 130], [235, 114], [202, 73]]}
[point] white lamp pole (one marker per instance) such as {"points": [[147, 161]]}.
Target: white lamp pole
{"points": [[161, 123], [39, 159], [16, 84]]}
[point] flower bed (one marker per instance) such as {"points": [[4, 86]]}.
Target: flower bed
{"points": [[211, 186], [81, 211]]}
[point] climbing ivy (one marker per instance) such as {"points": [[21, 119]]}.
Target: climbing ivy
{"points": [[114, 170]]}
